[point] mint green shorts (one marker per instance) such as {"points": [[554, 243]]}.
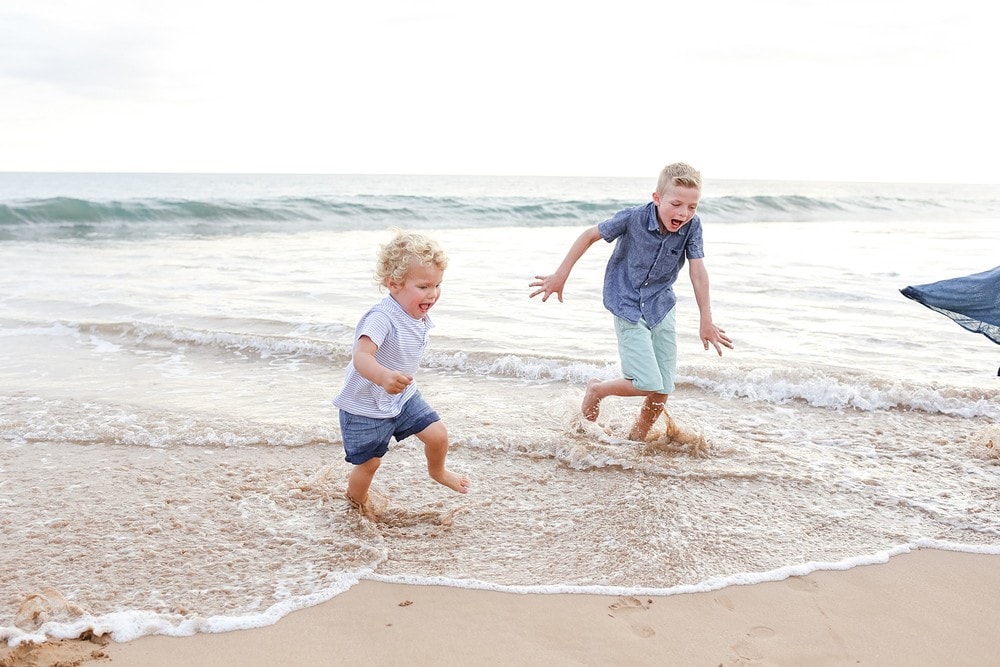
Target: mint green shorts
{"points": [[649, 355]]}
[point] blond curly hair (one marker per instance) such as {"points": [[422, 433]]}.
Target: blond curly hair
{"points": [[404, 250]]}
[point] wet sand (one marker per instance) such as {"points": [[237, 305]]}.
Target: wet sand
{"points": [[927, 607]]}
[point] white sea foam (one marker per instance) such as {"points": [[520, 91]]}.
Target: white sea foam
{"points": [[130, 625]]}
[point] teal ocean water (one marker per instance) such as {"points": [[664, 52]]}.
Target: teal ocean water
{"points": [[169, 345]]}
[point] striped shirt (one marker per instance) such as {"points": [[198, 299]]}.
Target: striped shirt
{"points": [[401, 341]]}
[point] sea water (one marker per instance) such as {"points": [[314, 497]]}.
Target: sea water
{"points": [[170, 461]]}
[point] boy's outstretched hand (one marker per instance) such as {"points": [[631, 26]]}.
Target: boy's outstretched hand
{"points": [[547, 286], [710, 333]]}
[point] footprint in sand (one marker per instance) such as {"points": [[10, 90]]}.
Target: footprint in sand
{"points": [[626, 606], [801, 584], [725, 602], [749, 648]]}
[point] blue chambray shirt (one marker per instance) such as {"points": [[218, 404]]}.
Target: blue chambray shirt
{"points": [[639, 279]]}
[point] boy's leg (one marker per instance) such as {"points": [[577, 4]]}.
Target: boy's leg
{"points": [[366, 440], [663, 341], [598, 391], [651, 410], [435, 439], [360, 480]]}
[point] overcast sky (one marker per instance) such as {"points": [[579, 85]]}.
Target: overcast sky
{"points": [[854, 90]]}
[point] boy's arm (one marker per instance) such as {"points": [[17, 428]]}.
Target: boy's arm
{"points": [[365, 364], [553, 284], [707, 331]]}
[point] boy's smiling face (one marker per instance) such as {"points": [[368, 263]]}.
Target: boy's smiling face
{"points": [[419, 290], [676, 206]]}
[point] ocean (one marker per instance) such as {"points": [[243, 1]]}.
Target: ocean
{"points": [[170, 344]]}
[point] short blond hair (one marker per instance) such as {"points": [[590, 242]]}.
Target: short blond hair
{"points": [[678, 173], [404, 250]]}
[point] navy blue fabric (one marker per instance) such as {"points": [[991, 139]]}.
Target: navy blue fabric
{"points": [[971, 301]]}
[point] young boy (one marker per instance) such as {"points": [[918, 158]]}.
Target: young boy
{"points": [[653, 242], [379, 399]]}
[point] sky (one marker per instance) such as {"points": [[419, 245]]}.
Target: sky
{"points": [[853, 90]]}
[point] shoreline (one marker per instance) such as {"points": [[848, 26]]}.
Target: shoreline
{"points": [[926, 607]]}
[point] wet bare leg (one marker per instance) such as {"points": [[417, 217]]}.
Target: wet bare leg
{"points": [[435, 439], [650, 411], [360, 479], [597, 391]]}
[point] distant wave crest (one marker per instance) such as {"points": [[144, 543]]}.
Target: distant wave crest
{"points": [[67, 218]]}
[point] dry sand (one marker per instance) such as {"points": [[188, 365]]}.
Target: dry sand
{"points": [[922, 608]]}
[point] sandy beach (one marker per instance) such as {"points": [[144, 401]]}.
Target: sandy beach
{"points": [[926, 607]]}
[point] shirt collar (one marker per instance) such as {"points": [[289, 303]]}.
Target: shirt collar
{"points": [[652, 223]]}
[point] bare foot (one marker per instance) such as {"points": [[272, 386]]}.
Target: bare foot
{"points": [[453, 481], [364, 508], [591, 407], [356, 504]]}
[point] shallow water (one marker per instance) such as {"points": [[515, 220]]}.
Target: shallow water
{"points": [[171, 462]]}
